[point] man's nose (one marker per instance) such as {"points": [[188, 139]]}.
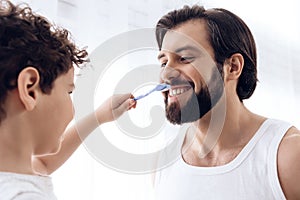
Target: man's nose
{"points": [[168, 73]]}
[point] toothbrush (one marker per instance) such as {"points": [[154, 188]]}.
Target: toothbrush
{"points": [[159, 87]]}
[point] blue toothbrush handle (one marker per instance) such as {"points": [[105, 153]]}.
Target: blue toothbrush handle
{"points": [[139, 97], [159, 87], [142, 96]]}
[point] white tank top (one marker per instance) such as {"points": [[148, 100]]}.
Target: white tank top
{"points": [[252, 175]]}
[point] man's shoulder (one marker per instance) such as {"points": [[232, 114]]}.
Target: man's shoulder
{"points": [[289, 148], [290, 143], [289, 163]]}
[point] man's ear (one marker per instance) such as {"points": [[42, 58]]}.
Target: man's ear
{"points": [[28, 87], [233, 66]]}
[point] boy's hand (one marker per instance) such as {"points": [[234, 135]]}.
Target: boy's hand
{"points": [[114, 107]]}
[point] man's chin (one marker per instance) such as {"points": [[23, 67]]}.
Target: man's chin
{"points": [[173, 113], [178, 116], [190, 112]]}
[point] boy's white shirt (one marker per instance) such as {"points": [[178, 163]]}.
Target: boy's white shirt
{"points": [[24, 187]]}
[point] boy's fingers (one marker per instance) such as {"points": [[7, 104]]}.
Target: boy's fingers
{"points": [[119, 99], [132, 104], [121, 108]]}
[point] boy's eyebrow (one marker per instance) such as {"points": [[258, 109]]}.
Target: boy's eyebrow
{"points": [[72, 85]]}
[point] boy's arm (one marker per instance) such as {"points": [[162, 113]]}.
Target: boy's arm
{"points": [[110, 110], [289, 164]]}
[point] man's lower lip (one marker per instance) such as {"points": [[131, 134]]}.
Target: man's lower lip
{"points": [[172, 99]]}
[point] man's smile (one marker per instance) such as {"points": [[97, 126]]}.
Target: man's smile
{"points": [[178, 90]]}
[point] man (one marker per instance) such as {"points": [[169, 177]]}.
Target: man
{"points": [[209, 59], [37, 78]]}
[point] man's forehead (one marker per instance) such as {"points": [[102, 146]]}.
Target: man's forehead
{"points": [[175, 41]]}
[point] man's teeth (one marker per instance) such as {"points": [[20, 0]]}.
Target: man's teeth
{"points": [[178, 91]]}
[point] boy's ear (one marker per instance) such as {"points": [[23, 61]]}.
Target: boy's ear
{"points": [[28, 87], [234, 66]]}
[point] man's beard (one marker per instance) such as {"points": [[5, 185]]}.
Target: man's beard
{"points": [[199, 103]]}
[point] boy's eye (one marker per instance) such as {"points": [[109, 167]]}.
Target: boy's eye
{"points": [[70, 92], [163, 64]]}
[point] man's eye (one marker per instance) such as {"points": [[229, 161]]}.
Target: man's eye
{"points": [[70, 92], [186, 59], [163, 64]]}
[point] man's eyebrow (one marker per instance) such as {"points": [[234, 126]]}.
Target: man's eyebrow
{"points": [[188, 47], [184, 48]]}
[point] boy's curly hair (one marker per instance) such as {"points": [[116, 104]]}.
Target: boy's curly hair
{"points": [[28, 39]]}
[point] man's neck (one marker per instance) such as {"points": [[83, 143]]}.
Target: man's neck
{"points": [[216, 141]]}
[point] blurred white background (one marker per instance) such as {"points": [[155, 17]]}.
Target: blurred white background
{"points": [[274, 24]]}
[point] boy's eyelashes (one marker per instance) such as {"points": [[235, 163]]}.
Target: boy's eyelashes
{"points": [[71, 88]]}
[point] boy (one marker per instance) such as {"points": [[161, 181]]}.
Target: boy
{"points": [[36, 74]]}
